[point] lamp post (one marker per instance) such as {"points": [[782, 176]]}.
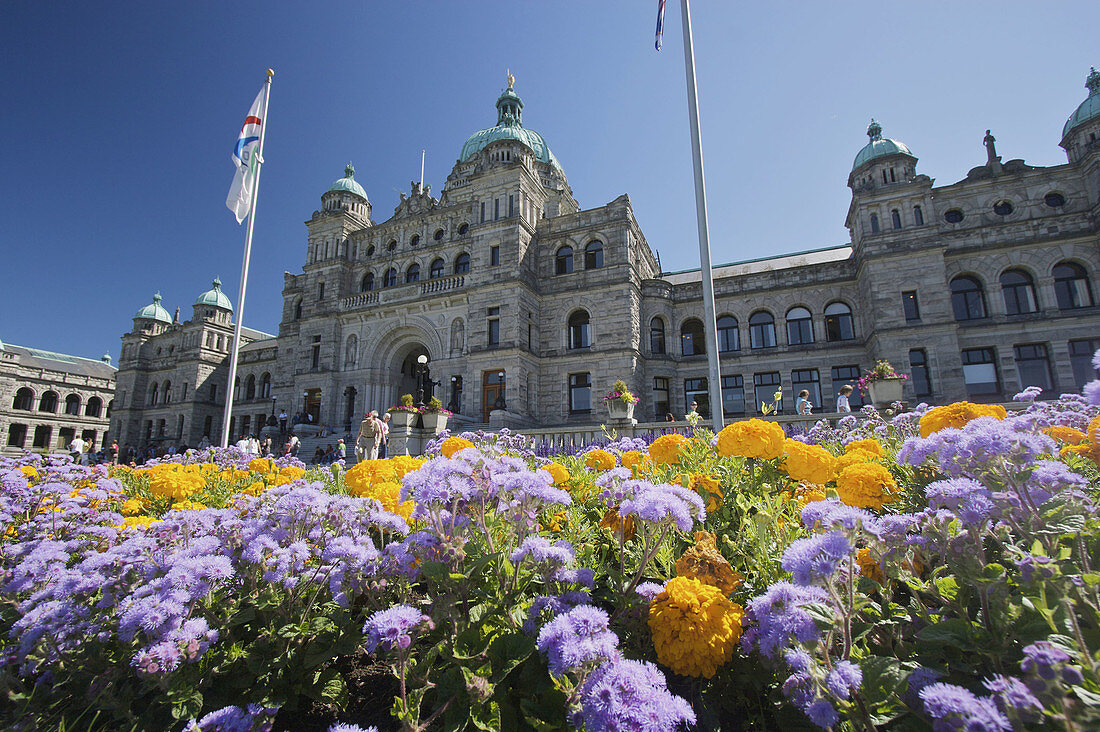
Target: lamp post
{"points": [[499, 403], [421, 375]]}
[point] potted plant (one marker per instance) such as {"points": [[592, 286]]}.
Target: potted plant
{"points": [[404, 413], [620, 402], [882, 383], [435, 416]]}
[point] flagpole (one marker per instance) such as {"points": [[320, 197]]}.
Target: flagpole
{"points": [[258, 162], [709, 326]]}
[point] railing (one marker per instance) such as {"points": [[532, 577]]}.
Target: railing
{"points": [[398, 293], [443, 284], [361, 300]]}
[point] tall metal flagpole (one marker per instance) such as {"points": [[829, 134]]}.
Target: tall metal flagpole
{"points": [[259, 161], [709, 326]]}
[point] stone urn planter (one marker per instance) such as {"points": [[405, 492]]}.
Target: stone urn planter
{"points": [[434, 422], [885, 392], [618, 409], [403, 419]]}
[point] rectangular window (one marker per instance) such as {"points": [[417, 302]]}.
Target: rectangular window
{"points": [[580, 393], [494, 326], [320, 290], [483, 212], [847, 376], [494, 256], [910, 305], [64, 436], [695, 390], [660, 397], [733, 395], [764, 388], [1033, 367], [17, 435], [315, 352], [183, 394], [809, 380], [918, 370], [511, 206], [1080, 359], [246, 424], [213, 392], [148, 429], [980, 372], [496, 209], [207, 426]]}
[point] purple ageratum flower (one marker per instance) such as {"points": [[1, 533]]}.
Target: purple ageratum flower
{"points": [[552, 606], [798, 660], [541, 551], [350, 728], [1044, 659], [531, 485], [1091, 392], [253, 718], [390, 628], [1035, 567], [1029, 394], [1055, 477], [844, 679], [664, 502], [630, 695], [777, 617], [1014, 698], [440, 482], [581, 576], [577, 638], [832, 514], [649, 590], [967, 498], [953, 707], [822, 713], [817, 557]]}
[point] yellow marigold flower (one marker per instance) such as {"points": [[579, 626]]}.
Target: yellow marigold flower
{"points": [[1093, 430], [188, 506], [255, 489], [865, 485], [1066, 435], [668, 449], [136, 522], [957, 415], [404, 464], [869, 566], [261, 465], [133, 506], [558, 472], [1091, 450], [695, 627], [29, 472], [709, 488], [293, 472], [599, 460], [869, 445], [453, 444], [754, 438], [556, 522], [809, 463], [632, 458], [806, 493], [175, 481], [385, 492], [853, 457], [705, 563], [612, 521]]}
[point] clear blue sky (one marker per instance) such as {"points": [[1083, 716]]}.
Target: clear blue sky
{"points": [[118, 120]]}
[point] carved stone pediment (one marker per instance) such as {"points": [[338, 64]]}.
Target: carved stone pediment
{"points": [[419, 201]]}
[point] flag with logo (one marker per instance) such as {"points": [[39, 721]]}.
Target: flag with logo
{"points": [[243, 190], [660, 24]]}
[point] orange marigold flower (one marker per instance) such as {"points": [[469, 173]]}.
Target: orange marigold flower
{"points": [[558, 471], [1093, 430], [869, 566], [261, 465], [754, 438], [709, 488], [865, 485], [695, 627], [705, 563], [453, 444], [599, 460], [611, 520], [668, 449], [634, 458], [293, 472], [1090, 450], [1066, 435], [870, 445], [809, 463], [853, 457], [957, 415]]}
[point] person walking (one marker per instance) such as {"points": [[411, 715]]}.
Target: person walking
{"points": [[385, 424], [366, 443], [75, 448], [113, 452], [842, 404], [293, 445], [341, 450]]}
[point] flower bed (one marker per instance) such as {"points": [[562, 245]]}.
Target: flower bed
{"points": [[935, 569]]}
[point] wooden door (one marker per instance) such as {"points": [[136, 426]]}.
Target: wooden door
{"points": [[492, 392]]}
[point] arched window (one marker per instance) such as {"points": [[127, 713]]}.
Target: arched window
{"points": [[462, 229], [250, 387], [412, 274], [367, 283], [72, 405], [392, 245], [967, 298], [24, 399], [579, 333], [298, 310], [265, 386], [1071, 286], [351, 350], [874, 223], [692, 339], [593, 255], [729, 335], [800, 326], [370, 251], [436, 270], [48, 402], [761, 330], [94, 407], [154, 393], [656, 336], [1019, 292], [895, 218], [166, 391], [390, 278], [918, 216], [415, 241], [838, 322], [438, 236], [462, 263], [563, 260]]}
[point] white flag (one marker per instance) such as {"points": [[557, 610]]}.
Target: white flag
{"points": [[242, 192]]}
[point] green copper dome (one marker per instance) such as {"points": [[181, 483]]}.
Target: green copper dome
{"points": [[509, 127], [879, 146], [1088, 109], [348, 184], [215, 297], [154, 311]]}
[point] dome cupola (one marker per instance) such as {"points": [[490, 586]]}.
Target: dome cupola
{"points": [[154, 312], [348, 184], [509, 127], [879, 147], [215, 297], [1088, 110]]}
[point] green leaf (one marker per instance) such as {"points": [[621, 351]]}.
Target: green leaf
{"points": [[435, 570], [954, 631], [335, 691], [508, 651], [884, 678], [1091, 579], [948, 587]]}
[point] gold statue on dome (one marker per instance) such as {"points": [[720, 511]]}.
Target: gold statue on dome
{"points": [[511, 79]]}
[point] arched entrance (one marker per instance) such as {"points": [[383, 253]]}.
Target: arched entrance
{"points": [[403, 377]]}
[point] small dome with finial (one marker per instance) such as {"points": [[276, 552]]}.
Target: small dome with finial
{"points": [[879, 146], [348, 183], [509, 127], [215, 297], [154, 311], [1088, 109]]}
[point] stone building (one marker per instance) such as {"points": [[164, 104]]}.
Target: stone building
{"points": [[529, 306], [47, 399]]}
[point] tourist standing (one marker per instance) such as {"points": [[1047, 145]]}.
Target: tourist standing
{"points": [[842, 404], [341, 449], [75, 448], [802, 404], [282, 421], [366, 443], [113, 452], [385, 425], [293, 445]]}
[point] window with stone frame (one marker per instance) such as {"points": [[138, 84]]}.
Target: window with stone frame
{"points": [[412, 274], [810, 380], [563, 260], [910, 305], [436, 270], [847, 376], [692, 339], [580, 393], [761, 330], [765, 385], [919, 372], [729, 335], [733, 395], [1019, 292], [980, 374], [1071, 286], [1080, 360], [24, 399], [493, 323], [593, 255], [462, 263], [1033, 367], [390, 278], [838, 322], [661, 406], [579, 330], [967, 298], [656, 336], [695, 390]]}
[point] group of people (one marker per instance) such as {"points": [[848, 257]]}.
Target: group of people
{"points": [[330, 454], [803, 405], [374, 434], [84, 452]]}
